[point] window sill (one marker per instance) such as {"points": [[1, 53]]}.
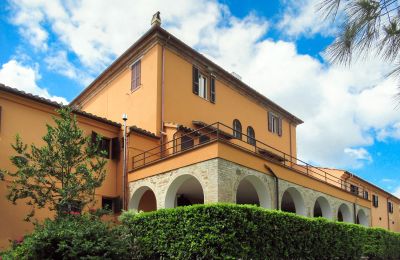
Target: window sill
{"points": [[138, 87]]}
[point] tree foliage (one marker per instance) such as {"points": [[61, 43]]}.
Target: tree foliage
{"points": [[61, 175], [369, 27]]}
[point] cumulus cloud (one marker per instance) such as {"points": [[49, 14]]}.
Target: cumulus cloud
{"points": [[345, 109], [24, 78], [303, 17]]}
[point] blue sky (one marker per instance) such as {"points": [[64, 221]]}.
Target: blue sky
{"points": [[55, 48]]}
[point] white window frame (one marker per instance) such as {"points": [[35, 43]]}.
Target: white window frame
{"points": [[203, 93]]}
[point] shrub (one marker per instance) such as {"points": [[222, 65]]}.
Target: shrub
{"points": [[72, 237], [246, 232], [381, 244], [217, 231]]}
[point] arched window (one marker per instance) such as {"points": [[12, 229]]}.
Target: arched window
{"points": [[251, 136], [237, 129]]}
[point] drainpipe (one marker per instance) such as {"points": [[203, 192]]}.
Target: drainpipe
{"points": [[163, 91], [355, 213], [276, 185], [124, 168], [388, 213]]}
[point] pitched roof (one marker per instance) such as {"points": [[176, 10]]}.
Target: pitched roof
{"points": [[49, 102], [156, 33], [349, 174], [143, 132]]}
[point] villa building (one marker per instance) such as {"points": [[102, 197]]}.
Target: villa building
{"points": [[195, 134]]}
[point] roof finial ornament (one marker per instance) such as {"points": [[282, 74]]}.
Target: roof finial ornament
{"points": [[156, 20]]}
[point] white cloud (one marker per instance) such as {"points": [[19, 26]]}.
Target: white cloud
{"points": [[397, 192], [24, 78], [59, 62], [302, 17], [345, 109]]}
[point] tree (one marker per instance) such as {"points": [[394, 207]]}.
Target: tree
{"points": [[62, 174], [369, 27]]}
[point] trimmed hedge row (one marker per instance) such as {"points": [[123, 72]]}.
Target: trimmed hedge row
{"points": [[217, 231], [248, 232]]}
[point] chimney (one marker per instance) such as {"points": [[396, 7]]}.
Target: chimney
{"points": [[156, 20]]}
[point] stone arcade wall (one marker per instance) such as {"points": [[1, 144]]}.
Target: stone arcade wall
{"points": [[220, 179]]}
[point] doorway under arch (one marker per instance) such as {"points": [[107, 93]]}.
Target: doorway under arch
{"points": [[185, 190], [251, 190], [143, 199], [292, 201], [362, 218], [322, 208], [344, 214]]}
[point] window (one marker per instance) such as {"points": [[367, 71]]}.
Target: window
{"points": [[200, 85], [251, 136], [212, 90], [204, 139], [186, 142], [237, 129], [104, 144], [274, 123], [390, 207], [365, 195], [375, 201], [135, 81], [354, 189], [112, 204]]}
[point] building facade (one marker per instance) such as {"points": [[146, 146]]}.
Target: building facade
{"points": [[196, 134]]}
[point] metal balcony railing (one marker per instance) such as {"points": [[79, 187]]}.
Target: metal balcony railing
{"points": [[219, 132]]}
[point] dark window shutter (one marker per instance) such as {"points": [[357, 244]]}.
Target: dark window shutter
{"points": [[138, 72], [195, 80], [115, 148], [212, 90], [269, 121], [94, 137], [280, 126], [133, 78], [117, 205]]}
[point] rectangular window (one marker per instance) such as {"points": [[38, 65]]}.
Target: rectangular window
{"points": [[375, 201], [104, 145], [366, 195], [204, 139], [202, 86], [390, 207], [212, 90], [186, 142], [112, 204], [136, 71], [274, 123], [354, 189]]}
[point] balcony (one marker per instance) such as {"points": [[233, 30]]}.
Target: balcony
{"points": [[218, 136]]}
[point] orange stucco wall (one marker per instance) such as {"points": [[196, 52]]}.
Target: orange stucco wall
{"points": [[380, 216], [142, 105], [28, 119], [182, 106]]}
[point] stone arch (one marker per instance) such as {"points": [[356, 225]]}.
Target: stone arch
{"points": [[322, 208], [362, 218], [143, 199], [252, 190], [344, 214], [292, 201], [184, 190]]}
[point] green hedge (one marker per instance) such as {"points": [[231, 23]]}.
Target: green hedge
{"points": [[217, 231], [247, 232]]}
